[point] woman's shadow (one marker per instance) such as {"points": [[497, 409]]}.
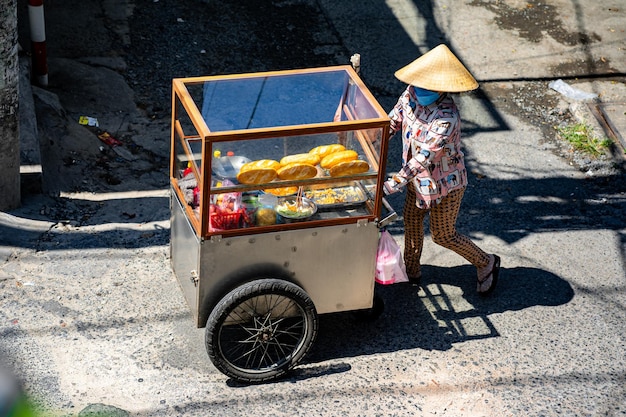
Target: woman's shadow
{"points": [[446, 310]]}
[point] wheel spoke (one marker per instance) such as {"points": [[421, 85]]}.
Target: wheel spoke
{"points": [[249, 344], [294, 335]]}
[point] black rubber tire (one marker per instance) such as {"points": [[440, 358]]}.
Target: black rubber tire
{"points": [[260, 330]]}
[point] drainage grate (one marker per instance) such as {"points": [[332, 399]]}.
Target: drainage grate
{"points": [[612, 117]]}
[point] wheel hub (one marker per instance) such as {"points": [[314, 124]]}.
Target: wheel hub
{"points": [[266, 330]]}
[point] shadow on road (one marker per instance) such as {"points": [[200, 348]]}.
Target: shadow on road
{"points": [[507, 209], [427, 320]]}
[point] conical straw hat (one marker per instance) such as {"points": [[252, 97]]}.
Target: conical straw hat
{"points": [[438, 70]]}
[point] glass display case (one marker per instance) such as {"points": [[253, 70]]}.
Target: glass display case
{"points": [[263, 152]]}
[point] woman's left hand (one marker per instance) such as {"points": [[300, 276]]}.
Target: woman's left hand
{"points": [[393, 185]]}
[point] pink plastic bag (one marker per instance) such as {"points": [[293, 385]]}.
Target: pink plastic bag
{"points": [[390, 268]]}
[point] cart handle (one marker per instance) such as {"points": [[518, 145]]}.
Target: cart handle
{"points": [[389, 218]]}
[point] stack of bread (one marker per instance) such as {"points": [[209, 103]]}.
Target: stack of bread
{"points": [[343, 163], [335, 159]]}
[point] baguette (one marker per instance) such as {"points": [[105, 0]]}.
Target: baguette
{"points": [[346, 168], [326, 150], [334, 158], [282, 191], [296, 171], [301, 158], [258, 172]]}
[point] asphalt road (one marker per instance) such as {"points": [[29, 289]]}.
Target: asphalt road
{"points": [[92, 318]]}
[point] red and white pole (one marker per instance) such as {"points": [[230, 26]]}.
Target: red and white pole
{"points": [[38, 41]]}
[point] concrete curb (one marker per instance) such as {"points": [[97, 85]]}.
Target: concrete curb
{"points": [[583, 112], [587, 111], [31, 172]]}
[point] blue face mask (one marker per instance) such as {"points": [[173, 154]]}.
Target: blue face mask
{"points": [[425, 97]]}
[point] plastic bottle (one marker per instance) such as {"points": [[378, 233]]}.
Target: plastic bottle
{"points": [[187, 170], [216, 163], [266, 214]]}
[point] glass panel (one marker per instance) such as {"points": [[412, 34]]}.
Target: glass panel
{"points": [[286, 100], [184, 121], [333, 196], [194, 145], [182, 161], [359, 105], [186, 171], [235, 153]]}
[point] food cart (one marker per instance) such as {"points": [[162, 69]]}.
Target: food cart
{"points": [[260, 246]]}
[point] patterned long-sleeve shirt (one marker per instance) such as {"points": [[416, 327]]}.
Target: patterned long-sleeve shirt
{"points": [[431, 147]]}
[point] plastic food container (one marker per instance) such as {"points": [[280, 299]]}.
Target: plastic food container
{"points": [[288, 211]]}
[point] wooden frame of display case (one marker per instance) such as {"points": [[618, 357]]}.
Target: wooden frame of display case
{"points": [[183, 103]]}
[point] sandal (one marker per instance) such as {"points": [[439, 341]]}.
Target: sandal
{"points": [[495, 270]]}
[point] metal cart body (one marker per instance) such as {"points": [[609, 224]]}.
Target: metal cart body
{"points": [[335, 265]]}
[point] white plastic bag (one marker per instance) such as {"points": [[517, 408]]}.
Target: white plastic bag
{"points": [[571, 92], [390, 268]]}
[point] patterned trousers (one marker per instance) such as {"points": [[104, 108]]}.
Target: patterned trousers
{"points": [[443, 230]]}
